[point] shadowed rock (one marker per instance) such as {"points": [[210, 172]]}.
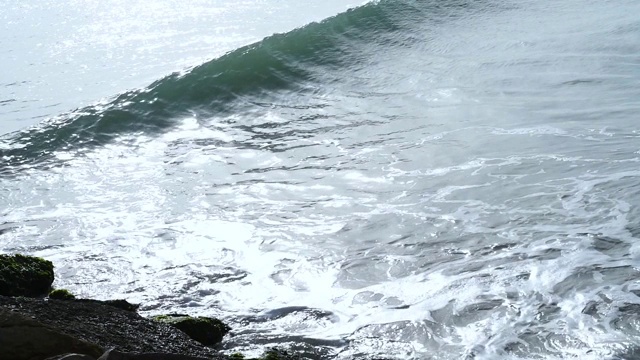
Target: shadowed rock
{"points": [[117, 355], [22, 338], [207, 331], [71, 357]]}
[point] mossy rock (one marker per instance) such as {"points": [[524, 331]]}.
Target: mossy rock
{"points": [[22, 275], [271, 354], [279, 354], [61, 294], [207, 331]]}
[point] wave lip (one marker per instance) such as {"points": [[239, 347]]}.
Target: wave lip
{"points": [[289, 62], [294, 62]]}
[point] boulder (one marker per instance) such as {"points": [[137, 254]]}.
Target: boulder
{"points": [[207, 331], [22, 275], [61, 294], [22, 338]]}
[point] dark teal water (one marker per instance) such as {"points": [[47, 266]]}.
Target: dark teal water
{"points": [[406, 179]]}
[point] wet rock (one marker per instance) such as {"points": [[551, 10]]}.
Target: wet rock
{"points": [[22, 275], [120, 304], [22, 338], [117, 355], [72, 357], [280, 354], [271, 354], [61, 294], [207, 331], [106, 326]]}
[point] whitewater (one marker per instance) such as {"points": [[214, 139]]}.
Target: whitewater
{"points": [[385, 180]]}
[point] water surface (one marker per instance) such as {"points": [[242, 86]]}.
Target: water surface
{"points": [[406, 179]]}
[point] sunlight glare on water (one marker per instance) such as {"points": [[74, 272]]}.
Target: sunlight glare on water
{"points": [[67, 54]]}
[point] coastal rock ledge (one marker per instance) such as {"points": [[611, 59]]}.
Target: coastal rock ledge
{"points": [[85, 327], [34, 326]]}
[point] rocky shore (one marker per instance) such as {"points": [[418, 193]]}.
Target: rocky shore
{"points": [[40, 323]]}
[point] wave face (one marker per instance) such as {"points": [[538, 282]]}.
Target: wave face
{"points": [[281, 63], [404, 180]]}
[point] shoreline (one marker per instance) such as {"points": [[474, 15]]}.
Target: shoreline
{"points": [[39, 322]]}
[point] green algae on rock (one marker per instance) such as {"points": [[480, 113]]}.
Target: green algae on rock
{"points": [[271, 354], [279, 354], [207, 331], [22, 275], [61, 294]]}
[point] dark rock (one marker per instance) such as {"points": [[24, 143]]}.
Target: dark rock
{"points": [[272, 354], [72, 357], [61, 294], [22, 275], [107, 326], [207, 331], [22, 338], [120, 304], [280, 354], [117, 355]]}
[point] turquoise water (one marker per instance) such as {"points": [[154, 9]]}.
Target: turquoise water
{"points": [[404, 179]]}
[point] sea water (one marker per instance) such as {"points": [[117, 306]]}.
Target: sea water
{"points": [[395, 179]]}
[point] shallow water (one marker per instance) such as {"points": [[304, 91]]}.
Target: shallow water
{"points": [[428, 180]]}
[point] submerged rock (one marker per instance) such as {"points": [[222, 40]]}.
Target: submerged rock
{"points": [[207, 331], [279, 354], [22, 275], [271, 354], [22, 338]]}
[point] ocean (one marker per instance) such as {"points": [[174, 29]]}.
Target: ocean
{"points": [[393, 179]]}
